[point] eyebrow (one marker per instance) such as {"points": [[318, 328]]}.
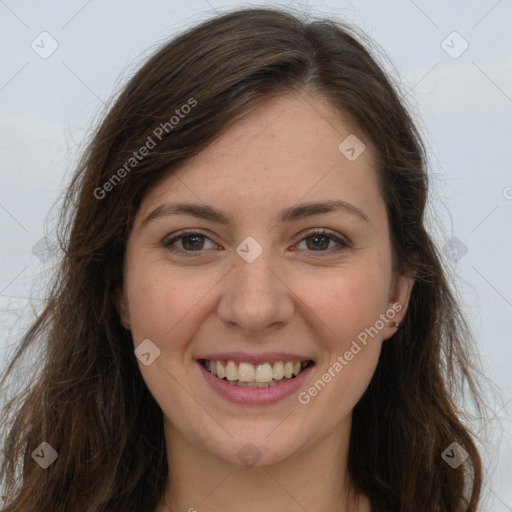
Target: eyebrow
{"points": [[293, 213]]}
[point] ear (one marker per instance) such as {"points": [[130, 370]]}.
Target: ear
{"points": [[123, 309], [400, 293]]}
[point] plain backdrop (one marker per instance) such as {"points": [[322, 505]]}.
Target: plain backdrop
{"points": [[60, 63]]}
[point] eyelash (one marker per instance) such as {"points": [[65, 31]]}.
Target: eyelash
{"points": [[167, 243]]}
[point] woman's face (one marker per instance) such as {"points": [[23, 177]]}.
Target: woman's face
{"points": [[253, 284]]}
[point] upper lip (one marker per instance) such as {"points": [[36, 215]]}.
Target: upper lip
{"points": [[266, 357]]}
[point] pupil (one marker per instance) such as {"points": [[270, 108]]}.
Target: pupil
{"points": [[318, 238], [194, 238]]}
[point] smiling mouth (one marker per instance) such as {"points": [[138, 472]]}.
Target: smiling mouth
{"points": [[248, 375]]}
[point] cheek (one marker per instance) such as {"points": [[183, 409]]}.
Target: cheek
{"points": [[161, 312], [156, 303], [350, 307], [347, 300], [340, 386], [168, 306]]}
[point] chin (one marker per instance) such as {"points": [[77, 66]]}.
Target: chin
{"points": [[257, 449]]}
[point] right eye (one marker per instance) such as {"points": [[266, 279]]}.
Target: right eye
{"points": [[191, 242]]}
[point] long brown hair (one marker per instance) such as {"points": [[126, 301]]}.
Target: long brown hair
{"points": [[89, 401]]}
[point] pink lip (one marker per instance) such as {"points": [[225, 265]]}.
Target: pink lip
{"points": [[267, 357], [255, 396]]}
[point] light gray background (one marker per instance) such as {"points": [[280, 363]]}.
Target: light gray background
{"points": [[464, 107]]}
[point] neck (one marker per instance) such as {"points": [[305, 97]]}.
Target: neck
{"points": [[314, 479]]}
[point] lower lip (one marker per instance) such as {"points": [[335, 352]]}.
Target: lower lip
{"points": [[260, 396]]}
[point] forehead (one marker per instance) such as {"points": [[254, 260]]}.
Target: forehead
{"points": [[285, 150]]}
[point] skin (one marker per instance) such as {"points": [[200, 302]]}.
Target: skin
{"points": [[294, 297]]}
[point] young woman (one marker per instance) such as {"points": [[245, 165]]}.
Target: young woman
{"points": [[250, 313]]}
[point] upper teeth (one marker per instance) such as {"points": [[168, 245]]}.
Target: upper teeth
{"points": [[247, 372]]}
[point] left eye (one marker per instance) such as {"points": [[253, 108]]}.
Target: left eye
{"points": [[321, 239], [194, 242]]}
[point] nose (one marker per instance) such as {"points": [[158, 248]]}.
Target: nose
{"points": [[255, 299]]}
